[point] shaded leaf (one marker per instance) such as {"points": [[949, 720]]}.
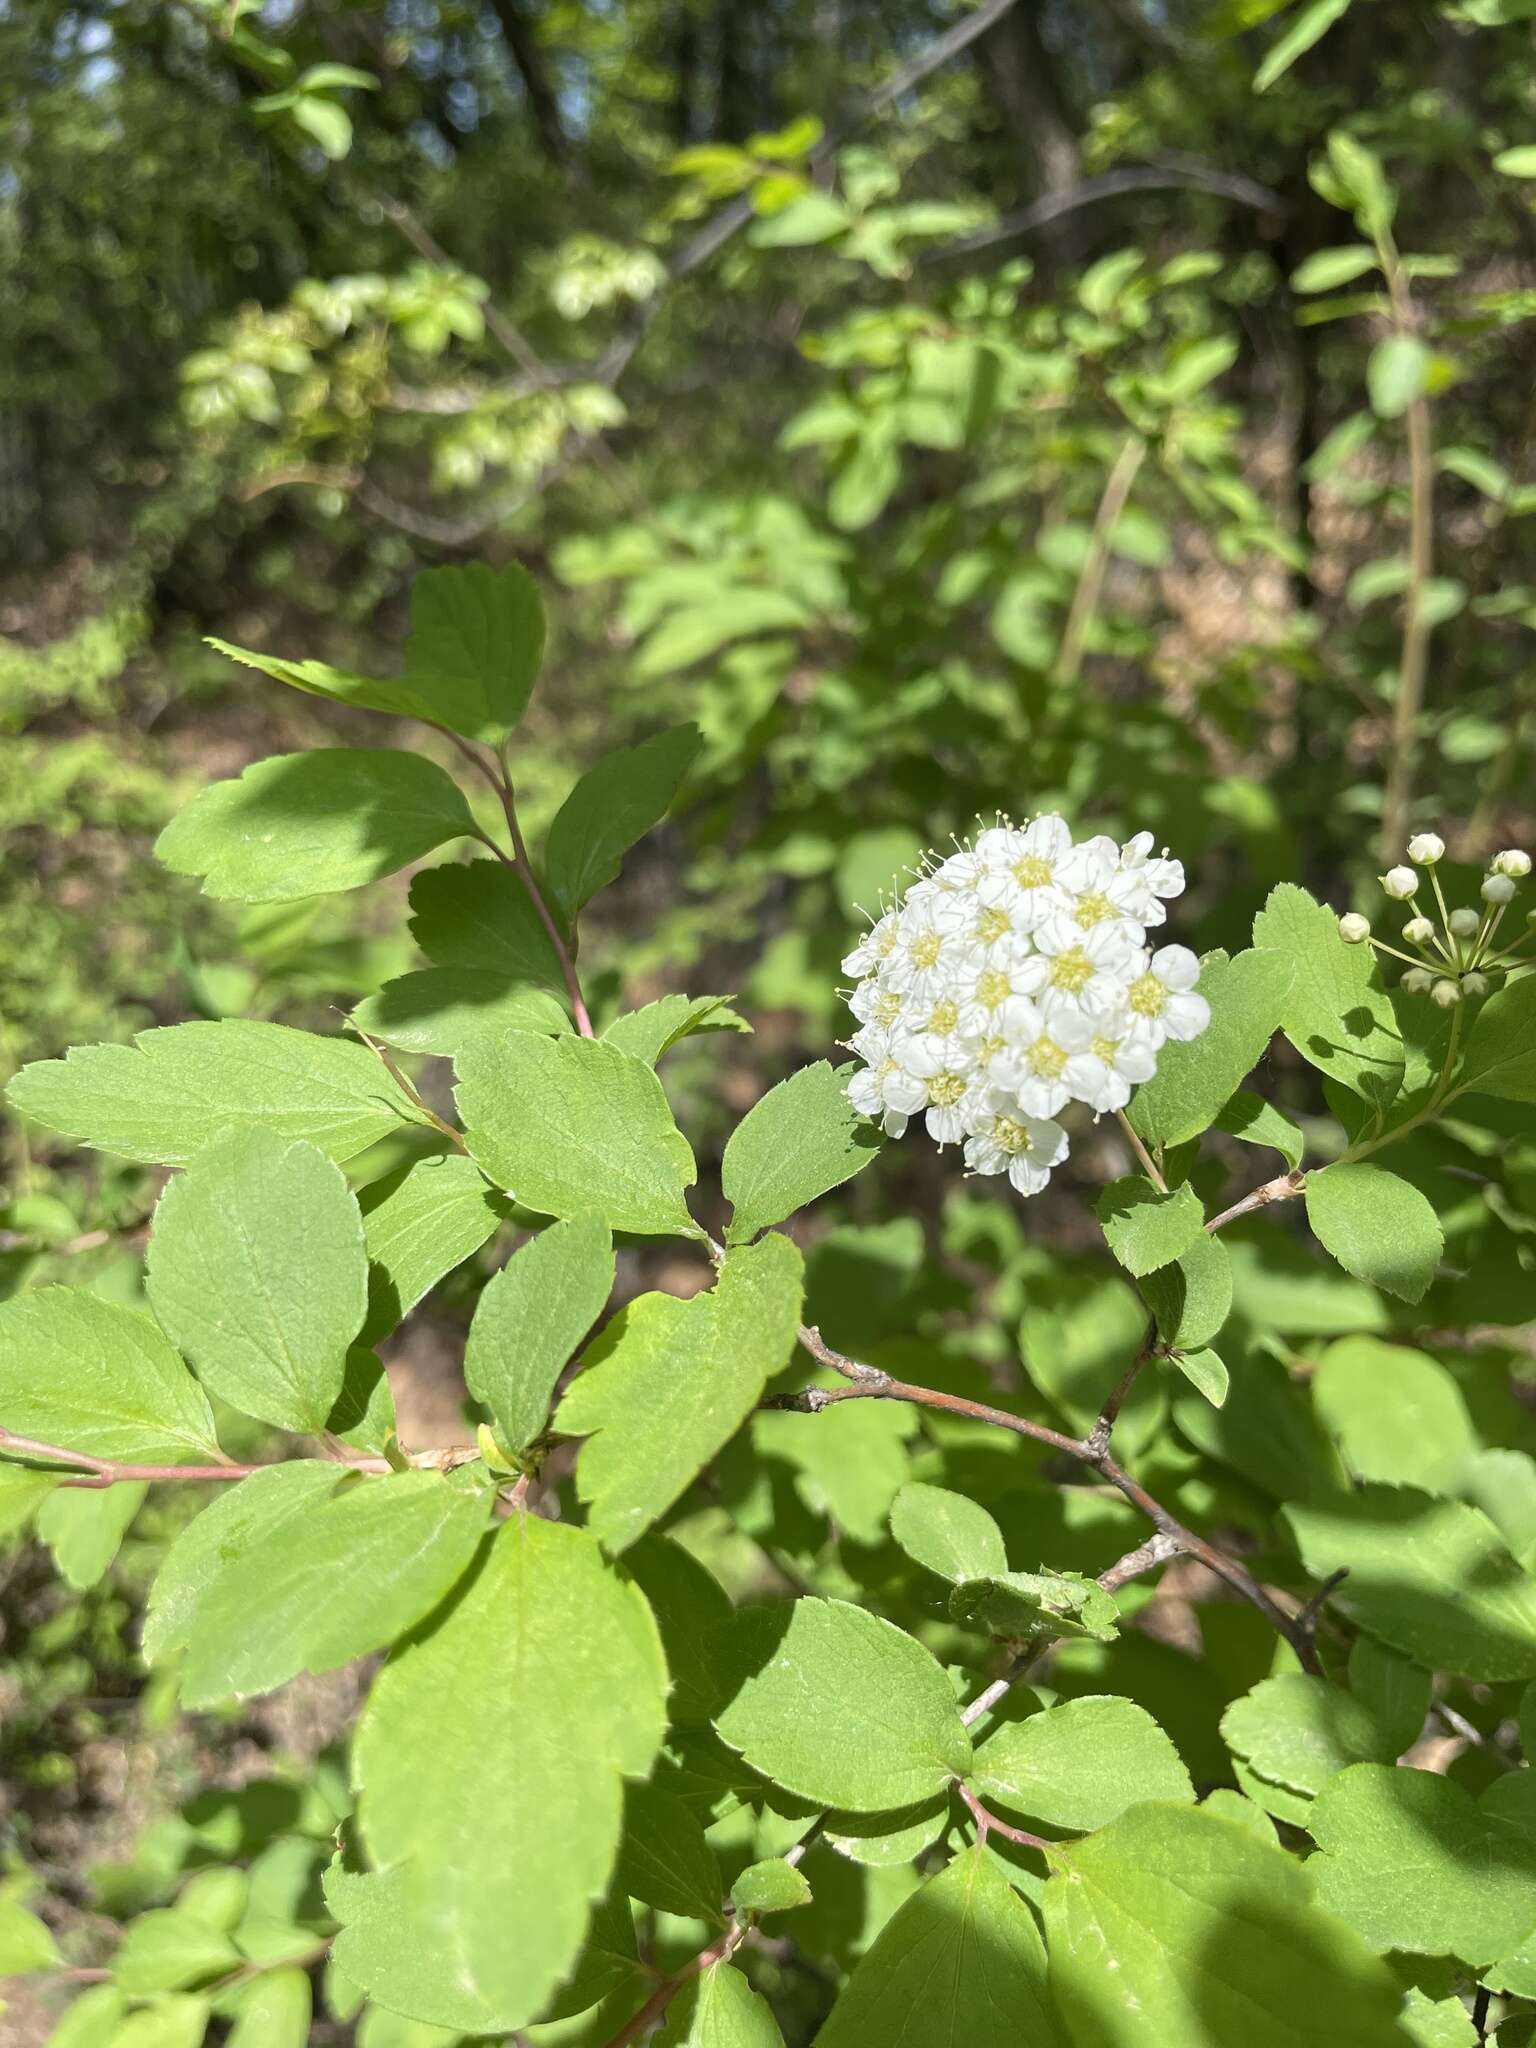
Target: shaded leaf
{"points": [[530, 1319], [799, 1140]]}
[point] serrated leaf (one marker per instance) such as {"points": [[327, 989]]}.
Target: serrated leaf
{"points": [[689, 1605], [1395, 1691], [161, 1099], [1191, 1297], [1337, 1013], [612, 806], [311, 824], [85, 1529], [419, 1223], [1081, 1764], [849, 1461], [1395, 1414], [949, 1534], [1414, 1862], [93, 1376], [799, 1140], [256, 1268], [440, 1009], [840, 1706], [503, 1730], [772, 1886], [572, 1124], [346, 1576], [1429, 1577], [1500, 1059], [1377, 1225], [530, 1319], [959, 1961], [239, 1522], [1146, 1227], [477, 637], [1299, 1731], [664, 1860], [477, 915], [320, 679], [1214, 1937], [719, 2009], [649, 1032], [673, 1381], [1258, 1122], [1026, 1604], [1247, 996]]}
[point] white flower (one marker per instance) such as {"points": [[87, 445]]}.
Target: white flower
{"points": [[1086, 969], [876, 946], [1425, 848], [1447, 994], [1161, 1002], [1023, 1147], [885, 1091], [916, 963], [1400, 884], [1164, 877], [1465, 922], [1418, 981], [1514, 863], [1107, 1061], [985, 979], [1354, 929], [1498, 889], [1418, 931], [956, 1091], [1032, 1066], [872, 1004], [1474, 984]]}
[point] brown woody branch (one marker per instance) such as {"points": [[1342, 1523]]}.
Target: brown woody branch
{"points": [[81, 1469]]}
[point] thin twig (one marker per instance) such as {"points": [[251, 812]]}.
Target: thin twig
{"points": [[1090, 580], [1281, 1189], [989, 1824], [1417, 626], [105, 1472], [1149, 1165], [655, 2006]]}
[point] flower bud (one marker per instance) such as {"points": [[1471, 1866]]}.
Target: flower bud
{"points": [[1474, 984], [1425, 848], [1497, 889], [1400, 884], [1465, 922], [1354, 929], [1446, 994], [1514, 863], [1417, 981], [1418, 931]]}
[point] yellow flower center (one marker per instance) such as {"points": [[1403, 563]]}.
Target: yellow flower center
{"points": [[1104, 1049], [885, 945], [945, 1018], [1031, 872], [925, 949], [1072, 970], [946, 1089], [1147, 997], [989, 1050], [1046, 1058], [887, 1006], [993, 988], [991, 925], [1010, 1136], [1093, 908]]}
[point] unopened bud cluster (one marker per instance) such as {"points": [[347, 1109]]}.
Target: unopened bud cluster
{"points": [[1450, 959], [1012, 978]]}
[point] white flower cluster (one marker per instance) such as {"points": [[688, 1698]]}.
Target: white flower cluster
{"points": [[1012, 979]]}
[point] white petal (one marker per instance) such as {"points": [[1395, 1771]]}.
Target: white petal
{"points": [[1186, 1016], [1176, 967]]}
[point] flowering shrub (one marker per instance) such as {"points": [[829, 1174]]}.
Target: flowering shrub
{"points": [[798, 1656]]}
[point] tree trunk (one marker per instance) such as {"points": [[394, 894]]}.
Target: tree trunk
{"points": [[1022, 85], [543, 102]]}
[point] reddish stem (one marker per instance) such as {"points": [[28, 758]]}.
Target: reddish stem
{"points": [[989, 1824]]}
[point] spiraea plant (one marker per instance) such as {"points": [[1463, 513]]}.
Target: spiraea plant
{"points": [[802, 1657]]}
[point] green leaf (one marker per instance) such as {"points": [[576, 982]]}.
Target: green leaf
{"points": [[1300, 1731], [238, 1523], [1258, 1122], [177, 2021], [1206, 1372], [689, 1605], [1395, 1691], [319, 679], [489, 1762], [311, 824], [673, 1381], [1378, 1226], [951, 1535], [477, 637], [849, 1461], [1044, 1603], [274, 2013], [1191, 1297], [440, 1009], [1500, 1059], [1396, 373], [612, 806], [1214, 1937], [1247, 996], [959, 1961], [882, 1840], [719, 2009], [419, 1223], [477, 915], [840, 1706], [1309, 27], [1145, 1228], [1081, 1764], [169, 1950], [1325, 269], [256, 1269], [531, 1318], [324, 122], [1430, 1577], [93, 1376], [1414, 1862], [85, 1530], [92, 2021], [799, 1140], [26, 1942], [664, 1860], [162, 1098], [1517, 163], [649, 1032], [345, 1577], [22, 1493], [772, 1886], [1395, 1414], [573, 1124], [1338, 1014], [815, 217]]}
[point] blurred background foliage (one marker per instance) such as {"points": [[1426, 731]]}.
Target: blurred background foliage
{"points": [[1113, 405]]}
